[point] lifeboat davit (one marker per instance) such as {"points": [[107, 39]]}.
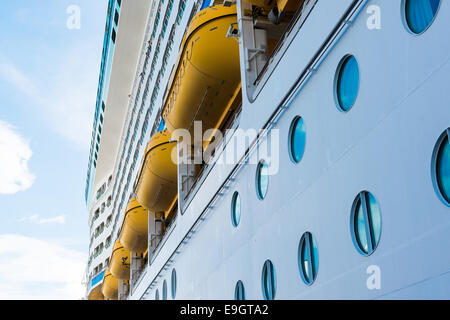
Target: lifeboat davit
{"points": [[110, 287], [156, 189], [134, 233], [119, 265], [282, 5], [208, 72]]}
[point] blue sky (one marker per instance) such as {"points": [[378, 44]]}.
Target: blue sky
{"points": [[48, 84]]}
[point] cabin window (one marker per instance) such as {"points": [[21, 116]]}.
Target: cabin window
{"points": [[347, 83], [262, 179], [113, 36], [297, 139], [164, 290], [116, 17], [441, 167], [174, 283], [268, 281], [308, 258], [366, 223], [157, 294], [236, 209], [181, 11], [420, 14], [239, 291]]}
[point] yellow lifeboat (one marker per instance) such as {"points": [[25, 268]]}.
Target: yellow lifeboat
{"points": [[120, 262], [134, 233], [110, 287], [96, 294], [156, 189], [208, 73]]}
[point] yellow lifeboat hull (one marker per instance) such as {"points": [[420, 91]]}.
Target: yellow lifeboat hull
{"points": [[120, 262], [110, 287], [157, 187], [134, 233], [96, 294], [208, 72]]}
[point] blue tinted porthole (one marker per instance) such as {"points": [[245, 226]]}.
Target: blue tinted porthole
{"points": [[157, 294], [419, 14], [239, 291], [173, 283], [268, 281], [308, 258], [347, 83], [262, 179], [297, 139], [365, 223], [441, 167], [164, 290], [236, 209]]}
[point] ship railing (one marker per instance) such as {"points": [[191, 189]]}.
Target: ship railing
{"points": [[258, 77], [229, 127], [297, 16], [138, 278], [158, 241]]}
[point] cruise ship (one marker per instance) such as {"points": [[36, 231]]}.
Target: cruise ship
{"points": [[271, 149]]}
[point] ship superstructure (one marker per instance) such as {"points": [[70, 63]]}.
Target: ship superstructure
{"points": [[260, 149]]}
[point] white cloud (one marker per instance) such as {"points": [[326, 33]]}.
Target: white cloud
{"points": [[16, 78], [68, 103], [35, 269], [39, 220], [15, 153]]}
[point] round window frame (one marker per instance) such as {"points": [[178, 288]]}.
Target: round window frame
{"points": [[405, 20], [336, 82], [299, 260], [294, 123], [257, 180], [164, 291], [235, 223], [434, 160], [239, 284], [352, 225], [263, 288], [173, 283]]}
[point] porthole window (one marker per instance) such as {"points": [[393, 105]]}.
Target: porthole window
{"points": [[347, 83], [269, 281], [157, 294], [441, 167], [236, 209], [308, 258], [420, 14], [173, 283], [239, 292], [262, 179], [366, 223], [297, 139], [164, 290]]}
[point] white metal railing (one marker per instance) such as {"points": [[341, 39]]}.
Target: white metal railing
{"points": [[233, 125]]}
